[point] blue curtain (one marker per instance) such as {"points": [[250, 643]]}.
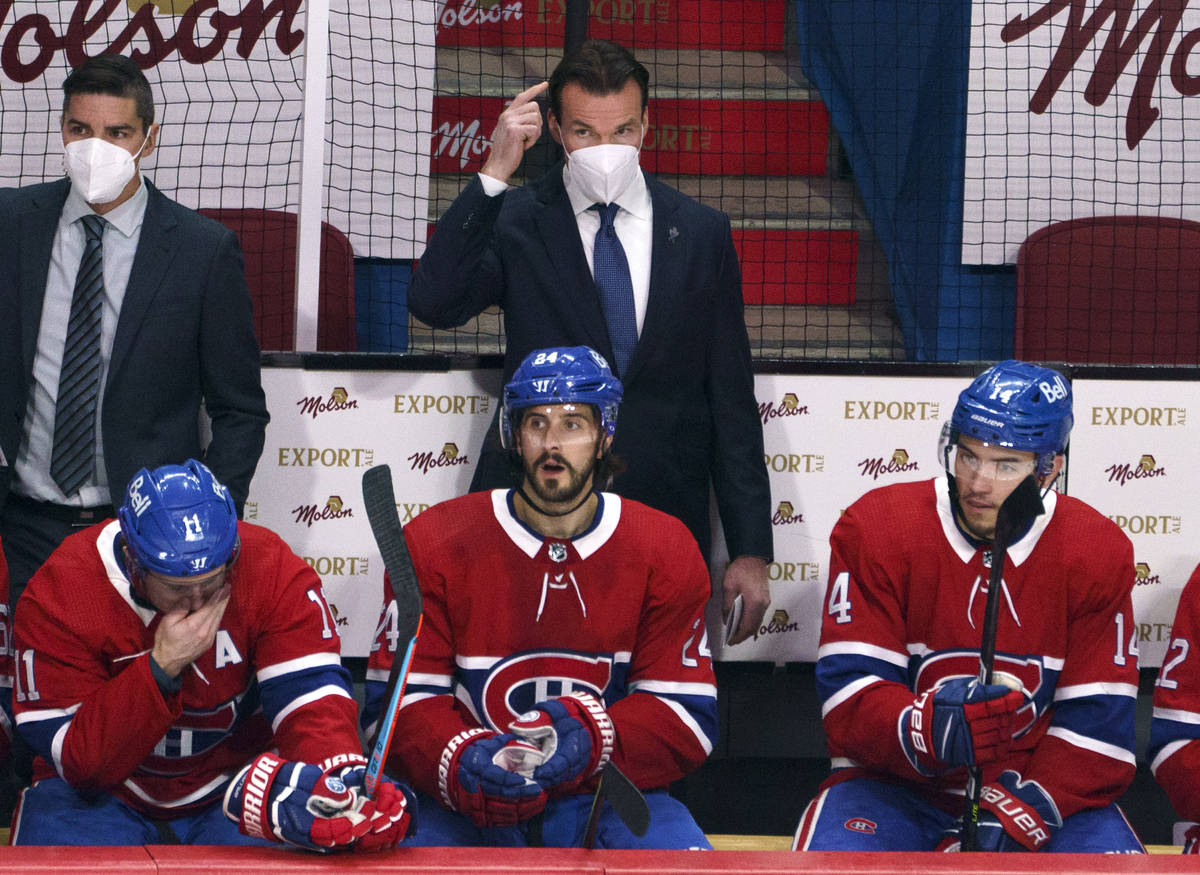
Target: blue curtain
{"points": [[893, 74]]}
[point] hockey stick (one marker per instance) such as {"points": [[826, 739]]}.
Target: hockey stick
{"points": [[380, 502], [626, 800], [1022, 505]]}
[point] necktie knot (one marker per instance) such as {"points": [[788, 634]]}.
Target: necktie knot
{"points": [[93, 226], [608, 212]]}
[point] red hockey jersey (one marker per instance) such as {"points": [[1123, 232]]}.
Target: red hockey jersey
{"points": [[6, 664], [904, 611], [1175, 726], [513, 618], [89, 706]]}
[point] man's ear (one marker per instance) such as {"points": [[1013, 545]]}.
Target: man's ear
{"points": [[552, 124]]}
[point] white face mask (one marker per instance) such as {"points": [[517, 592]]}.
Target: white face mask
{"points": [[99, 170], [603, 172]]}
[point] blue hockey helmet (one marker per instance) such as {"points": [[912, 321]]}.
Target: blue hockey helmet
{"points": [[178, 520], [1017, 405], [561, 375]]}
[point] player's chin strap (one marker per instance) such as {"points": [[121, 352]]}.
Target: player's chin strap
{"points": [[529, 501]]}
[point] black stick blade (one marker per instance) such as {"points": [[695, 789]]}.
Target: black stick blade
{"points": [[380, 502], [1022, 505], [626, 799]]}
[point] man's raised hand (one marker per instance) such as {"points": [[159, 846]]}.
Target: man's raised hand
{"points": [[518, 128]]}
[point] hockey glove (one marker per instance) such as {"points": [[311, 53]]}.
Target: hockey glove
{"points": [[1016, 815], [576, 737], [389, 815], [959, 723], [313, 807], [473, 785]]}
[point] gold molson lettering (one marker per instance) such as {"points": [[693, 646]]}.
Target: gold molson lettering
{"points": [[1151, 416], [609, 11], [468, 13], [326, 457], [795, 463], [894, 410], [793, 571], [338, 566], [459, 404], [1149, 524]]}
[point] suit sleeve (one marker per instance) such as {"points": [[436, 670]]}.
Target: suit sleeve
{"points": [[459, 274], [229, 372], [862, 660], [1086, 757], [1174, 751], [739, 471], [667, 726]]}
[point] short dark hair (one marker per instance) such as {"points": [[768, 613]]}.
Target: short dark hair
{"points": [[598, 67], [115, 75]]}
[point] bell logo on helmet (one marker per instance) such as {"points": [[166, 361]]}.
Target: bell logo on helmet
{"points": [[138, 502], [1054, 390]]}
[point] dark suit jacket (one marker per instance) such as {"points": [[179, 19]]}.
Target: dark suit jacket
{"points": [[689, 413], [184, 338]]}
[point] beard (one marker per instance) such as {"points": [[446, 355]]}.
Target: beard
{"points": [[562, 488]]}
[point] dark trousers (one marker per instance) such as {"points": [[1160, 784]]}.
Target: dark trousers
{"points": [[31, 531]]}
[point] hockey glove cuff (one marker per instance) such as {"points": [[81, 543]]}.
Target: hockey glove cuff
{"points": [[304, 805], [1016, 815], [471, 783], [959, 723], [575, 735]]}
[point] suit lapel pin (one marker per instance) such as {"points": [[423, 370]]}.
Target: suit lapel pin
{"points": [[672, 233]]}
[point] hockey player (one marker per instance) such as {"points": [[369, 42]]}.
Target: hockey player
{"points": [[162, 655], [900, 641], [6, 671], [1175, 727], [563, 627]]}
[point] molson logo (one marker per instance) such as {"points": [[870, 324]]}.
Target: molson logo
{"points": [[326, 457], [898, 464], [916, 411], [785, 515], [789, 406], [199, 31], [794, 571], [459, 405], [779, 623], [461, 139], [1149, 524], [1156, 417], [338, 619], [339, 399], [469, 13], [1145, 469], [1142, 575], [333, 510], [449, 458], [338, 566]]}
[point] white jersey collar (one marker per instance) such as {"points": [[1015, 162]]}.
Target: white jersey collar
{"points": [[608, 514], [1017, 553]]}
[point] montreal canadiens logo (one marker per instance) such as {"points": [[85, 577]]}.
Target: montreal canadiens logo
{"points": [[518, 683], [861, 824]]}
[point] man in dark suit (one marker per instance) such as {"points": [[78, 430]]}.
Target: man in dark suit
{"points": [[543, 252], [161, 292]]}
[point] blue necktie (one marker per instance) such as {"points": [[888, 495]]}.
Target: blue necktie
{"points": [[610, 269], [74, 456]]}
